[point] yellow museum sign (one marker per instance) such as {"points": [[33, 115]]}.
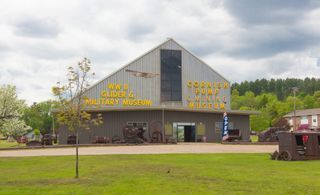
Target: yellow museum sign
{"points": [[117, 95], [207, 95]]}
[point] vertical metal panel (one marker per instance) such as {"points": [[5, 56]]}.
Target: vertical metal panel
{"points": [[241, 122]]}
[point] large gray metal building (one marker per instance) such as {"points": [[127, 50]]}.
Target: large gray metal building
{"points": [[168, 88]]}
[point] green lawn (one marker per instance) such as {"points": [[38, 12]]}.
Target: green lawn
{"points": [[159, 174], [6, 144]]}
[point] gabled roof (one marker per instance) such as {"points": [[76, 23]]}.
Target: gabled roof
{"points": [[169, 39], [198, 58], [306, 112]]}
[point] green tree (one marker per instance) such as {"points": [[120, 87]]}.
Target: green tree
{"points": [[39, 116], [249, 100], [10, 105], [261, 121], [37, 134], [235, 100], [309, 102], [262, 101], [282, 88], [72, 102], [11, 110], [274, 98], [14, 127], [316, 96]]}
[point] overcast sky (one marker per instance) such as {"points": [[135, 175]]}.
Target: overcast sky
{"points": [[241, 39]]}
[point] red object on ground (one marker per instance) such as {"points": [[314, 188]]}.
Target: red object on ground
{"points": [[305, 139]]}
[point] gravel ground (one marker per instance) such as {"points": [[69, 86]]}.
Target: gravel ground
{"points": [[144, 149]]}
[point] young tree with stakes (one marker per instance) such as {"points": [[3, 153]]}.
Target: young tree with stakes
{"points": [[71, 111]]}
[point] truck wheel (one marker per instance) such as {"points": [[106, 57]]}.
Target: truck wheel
{"points": [[285, 155]]}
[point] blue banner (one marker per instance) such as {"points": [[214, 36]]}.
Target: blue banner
{"points": [[225, 130]]}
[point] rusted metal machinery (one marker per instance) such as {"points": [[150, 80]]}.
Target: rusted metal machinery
{"points": [[33, 143], [47, 139], [101, 140], [116, 140], [22, 140], [234, 135], [155, 133], [72, 139], [298, 145], [133, 134], [269, 135]]}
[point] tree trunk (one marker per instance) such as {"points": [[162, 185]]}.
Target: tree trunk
{"points": [[77, 154]]}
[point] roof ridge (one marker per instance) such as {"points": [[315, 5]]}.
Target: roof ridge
{"points": [[198, 59]]}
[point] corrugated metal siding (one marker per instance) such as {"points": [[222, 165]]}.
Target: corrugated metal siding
{"points": [[194, 70], [241, 122], [193, 117], [143, 88], [115, 121], [113, 124], [149, 88]]}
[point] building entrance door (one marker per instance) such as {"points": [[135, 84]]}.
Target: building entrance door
{"points": [[189, 133], [185, 132]]}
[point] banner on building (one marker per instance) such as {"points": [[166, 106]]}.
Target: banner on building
{"points": [[225, 130]]}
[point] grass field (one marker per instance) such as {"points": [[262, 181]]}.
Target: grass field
{"points": [[6, 144], [159, 174]]}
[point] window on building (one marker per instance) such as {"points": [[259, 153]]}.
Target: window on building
{"points": [[171, 86], [143, 125], [304, 120]]}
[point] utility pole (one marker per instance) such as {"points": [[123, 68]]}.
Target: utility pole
{"points": [[52, 116], [294, 89], [163, 136]]}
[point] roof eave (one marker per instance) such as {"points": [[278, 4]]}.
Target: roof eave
{"points": [[179, 109]]}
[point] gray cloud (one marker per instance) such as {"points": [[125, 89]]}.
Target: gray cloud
{"points": [[204, 48], [38, 86], [4, 49], [318, 62], [37, 28], [253, 12], [139, 30], [14, 73], [272, 42], [242, 39], [43, 50], [104, 56], [268, 28]]}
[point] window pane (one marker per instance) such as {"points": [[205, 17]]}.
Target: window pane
{"points": [[171, 75]]}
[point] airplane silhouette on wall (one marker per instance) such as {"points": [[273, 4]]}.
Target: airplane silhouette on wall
{"points": [[141, 74]]}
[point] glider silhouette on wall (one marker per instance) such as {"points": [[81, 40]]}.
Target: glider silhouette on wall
{"points": [[141, 74]]}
